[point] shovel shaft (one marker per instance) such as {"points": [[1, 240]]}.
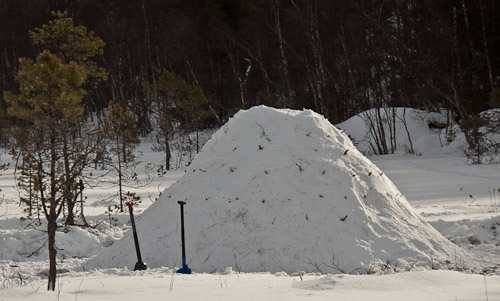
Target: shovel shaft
{"points": [[182, 234], [134, 231], [185, 269]]}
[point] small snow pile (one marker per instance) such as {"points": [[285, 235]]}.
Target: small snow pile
{"points": [[282, 190], [27, 241], [471, 232]]}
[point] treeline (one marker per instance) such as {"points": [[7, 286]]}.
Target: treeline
{"points": [[335, 57]]}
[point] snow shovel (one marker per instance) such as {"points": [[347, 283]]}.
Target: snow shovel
{"points": [[139, 266], [185, 269]]}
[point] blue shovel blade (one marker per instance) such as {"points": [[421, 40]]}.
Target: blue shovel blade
{"points": [[184, 270]]}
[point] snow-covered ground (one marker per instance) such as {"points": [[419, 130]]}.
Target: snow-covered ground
{"points": [[461, 201], [163, 284]]}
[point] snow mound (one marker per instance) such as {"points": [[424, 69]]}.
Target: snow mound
{"points": [[282, 190]]}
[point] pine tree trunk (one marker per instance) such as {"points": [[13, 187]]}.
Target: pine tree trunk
{"points": [[70, 219], [51, 229], [124, 149], [68, 187], [168, 155], [167, 150], [30, 195], [52, 216], [120, 181]]}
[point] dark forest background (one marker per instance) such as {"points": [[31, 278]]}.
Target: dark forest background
{"points": [[335, 57]]}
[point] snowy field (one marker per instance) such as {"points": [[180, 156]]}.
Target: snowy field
{"points": [[460, 200]]}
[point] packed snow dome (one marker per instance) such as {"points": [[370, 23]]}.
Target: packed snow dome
{"points": [[282, 190]]}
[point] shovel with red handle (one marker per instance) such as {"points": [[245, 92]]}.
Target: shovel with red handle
{"points": [[139, 266]]}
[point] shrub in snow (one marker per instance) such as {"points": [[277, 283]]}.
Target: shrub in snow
{"points": [[482, 136]]}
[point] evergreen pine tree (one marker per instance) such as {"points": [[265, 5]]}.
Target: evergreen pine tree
{"points": [[47, 107], [73, 45], [48, 117], [179, 109]]}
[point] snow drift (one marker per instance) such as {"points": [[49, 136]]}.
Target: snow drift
{"points": [[410, 128], [282, 190]]}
